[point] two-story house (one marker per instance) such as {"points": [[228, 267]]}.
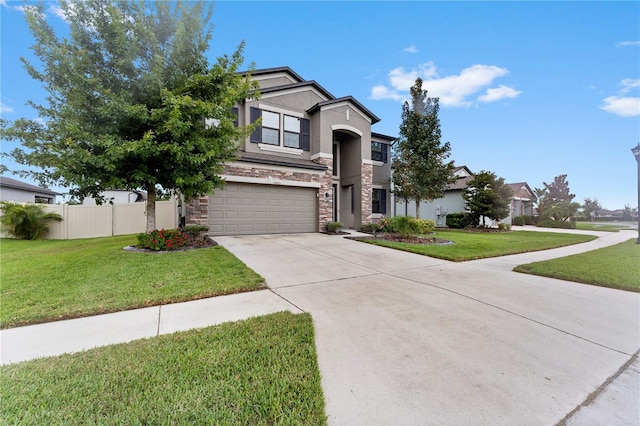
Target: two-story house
{"points": [[313, 159]]}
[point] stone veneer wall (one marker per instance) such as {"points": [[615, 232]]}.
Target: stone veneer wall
{"points": [[197, 208], [325, 205], [366, 193]]}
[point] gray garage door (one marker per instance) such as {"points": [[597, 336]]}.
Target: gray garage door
{"points": [[247, 208]]}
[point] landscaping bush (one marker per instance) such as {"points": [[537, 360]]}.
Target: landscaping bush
{"points": [[386, 225], [371, 228], [548, 223], [405, 226], [194, 230], [462, 220], [531, 220], [518, 221], [425, 226], [26, 221], [504, 227], [333, 227], [164, 239]]}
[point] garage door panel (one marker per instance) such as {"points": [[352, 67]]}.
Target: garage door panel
{"points": [[243, 208]]}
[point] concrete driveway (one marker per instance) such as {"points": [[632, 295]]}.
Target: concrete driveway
{"points": [[406, 339]]}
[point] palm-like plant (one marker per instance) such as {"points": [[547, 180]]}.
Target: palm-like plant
{"points": [[26, 221]]}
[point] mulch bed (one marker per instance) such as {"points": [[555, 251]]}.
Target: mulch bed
{"points": [[193, 244]]}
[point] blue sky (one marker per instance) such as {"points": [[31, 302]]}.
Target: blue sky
{"points": [[528, 90]]}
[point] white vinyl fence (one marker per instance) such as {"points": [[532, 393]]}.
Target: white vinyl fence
{"points": [[81, 221]]}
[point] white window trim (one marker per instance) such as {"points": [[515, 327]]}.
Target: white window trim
{"points": [[279, 148], [277, 110], [377, 163]]}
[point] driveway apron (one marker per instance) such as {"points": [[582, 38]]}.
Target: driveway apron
{"points": [[407, 339]]}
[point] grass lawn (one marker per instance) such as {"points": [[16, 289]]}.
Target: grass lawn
{"points": [[594, 226], [260, 371], [474, 245], [48, 280], [616, 266]]}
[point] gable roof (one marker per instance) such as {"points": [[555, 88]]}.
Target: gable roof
{"points": [[310, 83], [521, 190], [16, 184], [275, 70], [374, 118]]}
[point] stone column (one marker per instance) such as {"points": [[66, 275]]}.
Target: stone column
{"points": [[197, 211], [366, 192], [325, 204]]}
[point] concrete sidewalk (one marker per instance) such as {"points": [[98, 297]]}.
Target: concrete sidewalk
{"points": [[56, 338], [408, 339]]}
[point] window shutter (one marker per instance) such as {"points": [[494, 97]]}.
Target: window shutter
{"points": [[256, 135], [305, 134], [234, 113], [383, 196], [385, 153]]}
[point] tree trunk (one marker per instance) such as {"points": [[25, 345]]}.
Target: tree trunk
{"points": [[418, 209], [151, 208]]}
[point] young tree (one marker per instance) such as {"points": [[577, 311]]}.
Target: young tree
{"points": [[558, 199], [420, 172], [128, 93], [488, 196]]}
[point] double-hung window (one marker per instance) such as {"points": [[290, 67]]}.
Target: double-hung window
{"points": [[379, 151], [280, 129], [379, 200]]}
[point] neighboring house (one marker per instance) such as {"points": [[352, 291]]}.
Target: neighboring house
{"points": [[14, 190], [314, 159], [437, 210], [118, 196], [522, 201]]}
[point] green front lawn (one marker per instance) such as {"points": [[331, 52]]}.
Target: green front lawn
{"points": [[594, 226], [473, 245], [48, 280], [261, 371], [616, 266]]}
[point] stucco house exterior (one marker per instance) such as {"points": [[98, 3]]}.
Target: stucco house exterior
{"points": [[437, 210], [522, 201], [314, 159], [21, 192]]}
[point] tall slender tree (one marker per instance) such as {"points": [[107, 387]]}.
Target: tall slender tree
{"points": [[128, 92], [420, 169]]}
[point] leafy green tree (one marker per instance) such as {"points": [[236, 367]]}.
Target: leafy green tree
{"points": [[420, 172], [487, 195], [128, 92], [558, 200], [591, 206], [539, 193], [26, 221]]}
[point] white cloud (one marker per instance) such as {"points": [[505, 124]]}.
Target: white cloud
{"points": [[622, 105], [5, 109], [453, 91], [57, 11], [628, 43], [411, 49], [499, 93]]}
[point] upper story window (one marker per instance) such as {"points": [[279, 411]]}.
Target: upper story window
{"points": [[379, 151], [280, 129]]}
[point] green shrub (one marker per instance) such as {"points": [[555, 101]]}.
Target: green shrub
{"points": [[425, 226], [531, 220], [333, 226], [405, 226], [164, 239], [518, 221], [371, 228], [26, 221], [462, 220], [386, 225], [548, 223], [504, 227], [194, 230]]}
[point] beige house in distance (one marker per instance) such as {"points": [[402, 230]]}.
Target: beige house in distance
{"points": [[314, 159]]}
